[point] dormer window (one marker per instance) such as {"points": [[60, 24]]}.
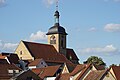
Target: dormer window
{"points": [[52, 39]]}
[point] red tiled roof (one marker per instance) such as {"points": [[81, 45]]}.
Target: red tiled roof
{"points": [[45, 51], [24, 75], [4, 70], [99, 67], [13, 58], [2, 57], [70, 52], [83, 71], [3, 61], [95, 75], [116, 70], [77, 69], [46, 72], [70, 66], [35, 62], [65, 76]]}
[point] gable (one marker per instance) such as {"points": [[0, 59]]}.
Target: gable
{"points": [[37, 63], [65, 69], [115, 70], [109, 76], [22, 52]]}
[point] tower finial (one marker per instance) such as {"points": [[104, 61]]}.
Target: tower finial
{"points": [[57, 5], [56, 14]]}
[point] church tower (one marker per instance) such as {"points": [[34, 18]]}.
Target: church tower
{"points": [[57, 35]]}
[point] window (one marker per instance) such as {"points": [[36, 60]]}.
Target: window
{"points": [[52, 39], [20, 58], [20, 52], [10, 71], [41, 62], [62, 42], [16, 71]]}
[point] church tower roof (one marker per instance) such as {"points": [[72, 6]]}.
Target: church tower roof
{"points": [[56, 29]]}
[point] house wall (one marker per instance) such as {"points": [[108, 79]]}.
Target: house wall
{"points": [[93, 67], [111, 70], [75, 76], [31, 67], [23, 52], [109, 76], [65, 70], [42, 64], [50, 78]]}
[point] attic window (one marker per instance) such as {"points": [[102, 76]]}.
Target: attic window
{"points": [[20, 52]]}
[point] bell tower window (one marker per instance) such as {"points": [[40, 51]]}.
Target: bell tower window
{"points": [[62, 42], [52, 39]]}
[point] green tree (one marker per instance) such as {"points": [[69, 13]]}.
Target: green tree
{"points": [[113, 65], [95, 60]]}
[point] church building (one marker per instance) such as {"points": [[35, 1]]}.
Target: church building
{"points": [[53, 52]]}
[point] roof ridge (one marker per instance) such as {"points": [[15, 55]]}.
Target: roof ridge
{"points": [[36, 43]]}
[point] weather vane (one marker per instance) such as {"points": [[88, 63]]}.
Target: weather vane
{"points": [[57, 5]]}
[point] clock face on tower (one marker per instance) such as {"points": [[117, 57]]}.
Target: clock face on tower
{"points": [[52, 39]]}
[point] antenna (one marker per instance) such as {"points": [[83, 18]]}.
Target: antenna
{"points": [[57, 5]]}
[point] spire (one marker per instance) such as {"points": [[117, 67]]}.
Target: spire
{"points": [[56, 5], [56, 14]]}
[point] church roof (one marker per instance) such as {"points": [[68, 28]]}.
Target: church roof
{"points": [[116, 71], [45, 51], [70, 52], [56, 29], [46, 71]]}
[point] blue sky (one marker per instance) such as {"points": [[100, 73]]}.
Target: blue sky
{"points": [[93, 26]]}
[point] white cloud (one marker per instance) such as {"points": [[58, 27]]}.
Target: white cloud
{"points": [[112, 27], [49, 2], [92, 29], [9, 47], [38, 36], [2, 3], [108, 49]]}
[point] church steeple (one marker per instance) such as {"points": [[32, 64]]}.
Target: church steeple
{"points": [[57, 34], [56, 15]]}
